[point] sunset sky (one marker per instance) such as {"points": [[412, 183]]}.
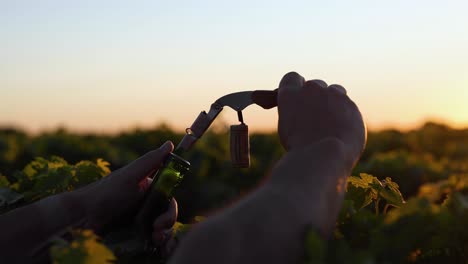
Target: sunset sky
{"points": [[109, 65]]}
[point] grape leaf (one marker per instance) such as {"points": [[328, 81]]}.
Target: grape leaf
{"points": [[315, 247], [361, 190], [4, 182], [362, 181], [9, 198], [84, 249], [87, 172], [391, 193]]}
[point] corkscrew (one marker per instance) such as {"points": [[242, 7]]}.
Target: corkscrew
{"points": [[168, 177], [239, 139]]}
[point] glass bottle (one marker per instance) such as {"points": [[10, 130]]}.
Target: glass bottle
{"points": [[160, 193]]}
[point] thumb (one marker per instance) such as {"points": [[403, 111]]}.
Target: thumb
{"points": [[141, 167]]}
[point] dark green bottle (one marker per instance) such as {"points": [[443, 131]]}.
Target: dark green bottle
{"points": [[160, 193]]}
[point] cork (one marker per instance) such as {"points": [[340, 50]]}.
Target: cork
{"points": [[240, 146]]}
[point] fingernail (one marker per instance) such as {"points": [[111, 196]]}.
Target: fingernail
{"points": [[167, 146]]}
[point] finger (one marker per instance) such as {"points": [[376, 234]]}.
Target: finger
{"points": [[289, 88], [170, 246], [320, 83], [338, 88], [316, 84], [167, 219], [292, 79], [144, 184], [161, 237], [139, 168], [313, 90]]}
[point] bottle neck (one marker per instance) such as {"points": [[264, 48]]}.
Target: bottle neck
{"points": [[179, 152]]}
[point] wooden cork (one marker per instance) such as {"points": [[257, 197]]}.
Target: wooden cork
{"points": [[240, 146]]}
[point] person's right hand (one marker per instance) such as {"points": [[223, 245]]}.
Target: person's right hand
{"points": [[311, 111]]}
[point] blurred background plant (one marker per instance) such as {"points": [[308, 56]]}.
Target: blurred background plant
{"points": [[427, 167]]}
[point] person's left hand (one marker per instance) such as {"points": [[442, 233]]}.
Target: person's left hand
{"points": [[118, 196]]}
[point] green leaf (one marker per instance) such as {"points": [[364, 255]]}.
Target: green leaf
{"points": [[179, 229], [104, 165], [458, 204], [36, 166], [362, 181], [56, 161], [361, 190], [361, 197], [87, 172], [347, 210], [315, 247], [9, 198], [4, 182], [365, 188], [391, 193], [42, 177], [84, 249], [414, 206], [55, 180]]}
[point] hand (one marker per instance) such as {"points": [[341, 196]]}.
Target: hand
{"points": [[311, 111], [163, 229], [118, 196]]}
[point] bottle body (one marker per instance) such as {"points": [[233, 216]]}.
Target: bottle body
{"points": [[160, 193]]}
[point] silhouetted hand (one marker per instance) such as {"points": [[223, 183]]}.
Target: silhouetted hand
{"points": [[311, 111], [120, 194]]}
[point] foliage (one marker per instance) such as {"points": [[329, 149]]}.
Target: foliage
{"points": [[417, 231], [42, 177], [366, 189], [404, 167], [85, 248], [375, 224], [180, 229]]}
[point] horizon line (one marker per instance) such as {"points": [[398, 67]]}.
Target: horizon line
{"points": [[215, 127]]}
